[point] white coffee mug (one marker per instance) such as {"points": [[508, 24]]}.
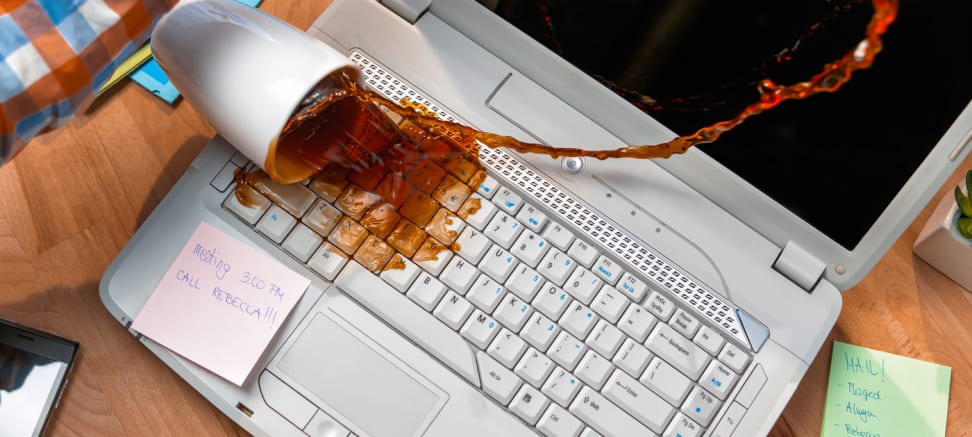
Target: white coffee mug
{"points": [[245, 72]]}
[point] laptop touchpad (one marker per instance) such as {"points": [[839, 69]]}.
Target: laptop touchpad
{"points": [[358, 382]]}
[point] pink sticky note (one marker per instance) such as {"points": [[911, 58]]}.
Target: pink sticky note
{"points": [[220, 303]]}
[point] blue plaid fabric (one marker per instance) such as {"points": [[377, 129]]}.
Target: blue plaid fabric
{"points": [[55, 53]]}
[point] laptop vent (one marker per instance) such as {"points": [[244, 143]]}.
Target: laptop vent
{"points": [[652, 265]]}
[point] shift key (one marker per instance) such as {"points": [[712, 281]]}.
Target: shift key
{"points": [[677, 350], [605, 417]]}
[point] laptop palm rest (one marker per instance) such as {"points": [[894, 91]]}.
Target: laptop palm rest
{"points": [[357, 382]]}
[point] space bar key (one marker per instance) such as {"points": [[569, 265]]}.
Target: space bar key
{"points": [[402, 314]]}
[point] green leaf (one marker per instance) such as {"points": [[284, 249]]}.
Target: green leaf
{"points": [[965, 227], [964, 203], [968, 183]]}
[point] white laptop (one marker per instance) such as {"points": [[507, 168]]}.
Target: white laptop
{"points": [[692, 303]]}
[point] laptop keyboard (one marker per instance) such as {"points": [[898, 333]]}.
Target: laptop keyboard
{"points": [[510, 298], [567, 339]]}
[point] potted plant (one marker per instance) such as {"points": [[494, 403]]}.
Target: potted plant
{"points": [[946, 240], [963, 220]]}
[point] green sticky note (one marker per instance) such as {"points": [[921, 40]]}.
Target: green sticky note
{"points": [[873, 393]]}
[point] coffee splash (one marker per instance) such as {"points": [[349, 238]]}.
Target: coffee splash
{"points": [[400, 175]]}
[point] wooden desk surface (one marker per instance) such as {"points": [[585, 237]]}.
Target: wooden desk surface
{"points": [[72, 199]]}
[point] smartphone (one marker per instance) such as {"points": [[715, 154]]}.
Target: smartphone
{"points": [[34, 368]]}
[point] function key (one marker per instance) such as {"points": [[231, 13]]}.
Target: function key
{"points": [[532, 218], [507, 200], [583, 253], [487, 185], [632, 286], [558, 236], [608, 270]]}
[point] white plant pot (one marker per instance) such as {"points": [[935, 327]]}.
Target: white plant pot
{"points": [[941, 245]]}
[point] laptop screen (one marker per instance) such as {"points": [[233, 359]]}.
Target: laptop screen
{"points": [[835, 160]]}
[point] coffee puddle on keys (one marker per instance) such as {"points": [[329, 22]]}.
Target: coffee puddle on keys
{"points": [[398, 181]]}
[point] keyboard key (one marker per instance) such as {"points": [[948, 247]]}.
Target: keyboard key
{"points": [[532, 218], [503, 229], [632, 358], [578, 320], [727, 424], [534, 367], [411, 321], [293, 198], [637, 322], [561, 386], [710, 340], [330, 182], [608, 270], [452, 310], [480, 329], [677, 350], [355, 201], [406, 238], [588, 432], [529, 248], [665, 381], [498, 382], [736, 359], [302, 242], [594, 369], [718, 379], [400, 273], [276, 224], [559, 236], [582, 285], [347, 235], [487, 185], [444, 227], [459, 274], [525, 282], [701, 406], [632, 287], [605, 338], [498, 263], [638, 401], [432, 256], [552, 301], [513, 312], [472, 245], [609, 303], [486, 293], [659, 305], [477, 211], [249, 213], [451, 193], [426, 291], [682, 426], [566, 350], [374, 254], [529, 403], [557, 422], [507, 200], [327, 261], [685, 323], [605, 417], [507, 348], [583, 253], [322, 217], [556, 266], [539, 331]]}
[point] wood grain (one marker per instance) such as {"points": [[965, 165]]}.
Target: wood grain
{"points": [[73, 198]]}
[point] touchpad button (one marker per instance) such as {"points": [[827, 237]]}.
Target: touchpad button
{"points": [[358, 382]]}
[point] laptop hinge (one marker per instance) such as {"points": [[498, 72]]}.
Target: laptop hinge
{"points": [[409, 10], [799, 266]]}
